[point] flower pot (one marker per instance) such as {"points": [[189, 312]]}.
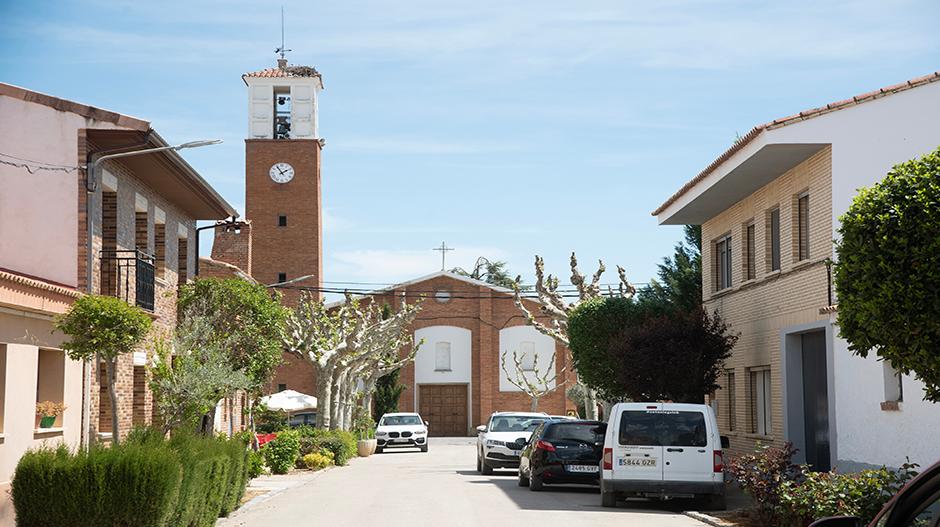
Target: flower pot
{"points": [[47, 421], [366, 447], [374, 444]]}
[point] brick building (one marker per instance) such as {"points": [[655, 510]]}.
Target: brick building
{"points": [[142, 211], [769, 209], [283, 243], [456, 380]]}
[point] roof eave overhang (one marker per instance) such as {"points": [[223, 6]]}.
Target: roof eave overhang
{"points": [[165, 172], [756, 164]]}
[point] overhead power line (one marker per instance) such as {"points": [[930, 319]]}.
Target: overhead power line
{"points": [[33, 166]]}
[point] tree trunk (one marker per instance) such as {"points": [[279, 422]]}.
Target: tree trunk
{"points": [[112, 394], [335, 416], [324, 402], [590, 403], [251, 423], [369, 391], [535, 403], [349, 387]]}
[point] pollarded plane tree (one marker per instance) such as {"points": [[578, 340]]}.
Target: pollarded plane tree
{"points": [[557, 309], [533, 382], [342, 344]]}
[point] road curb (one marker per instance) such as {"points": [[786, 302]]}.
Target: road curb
{"points": [[708, 520]]}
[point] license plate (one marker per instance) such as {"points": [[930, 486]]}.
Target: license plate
{"points": [[582, 468], [401, 440], [637, 462]]}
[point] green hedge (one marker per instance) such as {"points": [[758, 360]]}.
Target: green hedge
{"points": [[341, 443], [147, 481]]}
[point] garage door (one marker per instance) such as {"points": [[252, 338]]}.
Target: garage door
{"points": [[444, 406]]}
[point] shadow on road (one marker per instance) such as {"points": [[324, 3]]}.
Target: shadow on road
{"points": [[569, 497]]}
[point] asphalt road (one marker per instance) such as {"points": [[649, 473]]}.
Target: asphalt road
{"points": [[412, 489]]}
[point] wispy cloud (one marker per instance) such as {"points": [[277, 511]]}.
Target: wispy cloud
{"points": [[394, 265], [410, 146]]}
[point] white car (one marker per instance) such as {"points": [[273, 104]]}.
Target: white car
{"points": [[500, 442], [401, 430], [663, 450]]}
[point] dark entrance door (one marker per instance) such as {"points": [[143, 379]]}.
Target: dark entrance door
{"points": [[815, 400], [444, 406]]}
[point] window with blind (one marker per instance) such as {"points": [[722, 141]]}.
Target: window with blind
{"points": [[773, 237], [731, 396], [723, 263], [760, 401], [802, 212], [749, 249]]}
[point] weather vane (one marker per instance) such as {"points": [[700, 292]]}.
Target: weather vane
{"points": [[282, 50]]}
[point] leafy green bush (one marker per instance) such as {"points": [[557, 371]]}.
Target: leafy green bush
{"points": [[186, 481], [318, 460], [761, 474], [341, 443], [823, 494], [121, 485], [281, 453], [255, 464], [887, 272], [792, 495]]}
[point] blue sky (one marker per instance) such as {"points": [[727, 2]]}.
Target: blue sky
{"points": [[507, 129]]}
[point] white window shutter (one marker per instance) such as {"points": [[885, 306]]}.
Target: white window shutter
{"points": [[262, 112], [302, 123]]}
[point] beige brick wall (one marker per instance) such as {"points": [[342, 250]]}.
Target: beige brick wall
{"points": [[758, 309]]}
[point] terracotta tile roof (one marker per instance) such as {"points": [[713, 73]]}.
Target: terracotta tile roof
{"points": [[802, 116], [36, 283], [285, 72]]}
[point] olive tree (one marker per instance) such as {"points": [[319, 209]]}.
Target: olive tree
{"points": [[887, 272], [102, 328], [248, 318]]}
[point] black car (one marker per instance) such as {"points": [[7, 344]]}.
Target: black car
{"points": [[562, 451]]}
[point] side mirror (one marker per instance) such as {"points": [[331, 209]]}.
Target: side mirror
{"points": [[725, 442], [427, 423], [837, 521], [481, 429]]}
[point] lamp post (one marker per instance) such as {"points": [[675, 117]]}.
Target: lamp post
{"points": [[91, 186], [231, 223]]}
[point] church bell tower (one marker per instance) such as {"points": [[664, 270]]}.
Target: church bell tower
{"points": [[283, 197]]}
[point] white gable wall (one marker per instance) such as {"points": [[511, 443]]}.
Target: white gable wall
{"points": [[511, 340]]}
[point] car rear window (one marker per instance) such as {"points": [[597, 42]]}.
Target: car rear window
{"points": [[662, 428], [581, 432]]}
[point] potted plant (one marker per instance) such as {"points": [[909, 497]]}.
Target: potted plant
{"points": [[47, 412], [365, 429]]}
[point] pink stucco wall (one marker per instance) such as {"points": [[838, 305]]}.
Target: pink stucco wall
{"points": [[39, 212]]}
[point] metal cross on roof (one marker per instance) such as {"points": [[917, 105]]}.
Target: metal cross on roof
{"points": [[443, 248]]}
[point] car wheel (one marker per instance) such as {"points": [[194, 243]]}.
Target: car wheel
{"points": [[523, 481], [378, 450], [608, 499], [535, 483], [424, 448], [486, 469], [479, 465]]}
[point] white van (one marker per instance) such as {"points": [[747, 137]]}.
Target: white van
{"points": [[663, 450]]}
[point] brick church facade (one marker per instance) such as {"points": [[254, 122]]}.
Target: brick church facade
{"points": [[456, 380]]}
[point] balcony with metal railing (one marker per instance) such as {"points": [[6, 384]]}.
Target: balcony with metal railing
{"points": [[128, 275]]}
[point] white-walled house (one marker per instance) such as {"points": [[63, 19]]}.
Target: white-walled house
{"points": [[769, 209]]}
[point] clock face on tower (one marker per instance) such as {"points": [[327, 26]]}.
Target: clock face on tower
{"points": [[281, 172]]}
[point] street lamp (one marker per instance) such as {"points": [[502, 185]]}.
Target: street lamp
{"points": [[91, 186]]}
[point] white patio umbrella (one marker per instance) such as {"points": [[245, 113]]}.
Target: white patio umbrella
{"points": [[290, 401]]}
